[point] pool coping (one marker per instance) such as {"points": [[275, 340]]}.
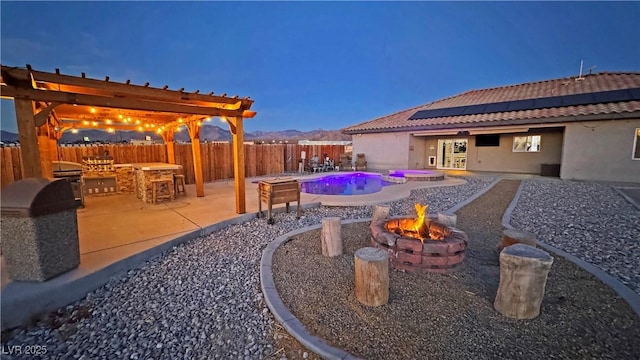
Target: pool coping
{"points": [[387, 194]]}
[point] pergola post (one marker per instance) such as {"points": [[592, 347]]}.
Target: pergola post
{"points": [[237, 133], [28, 139], [194, 134], [48, 147], [167, 137]]}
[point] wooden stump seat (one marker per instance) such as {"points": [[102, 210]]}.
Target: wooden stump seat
{"points": [[331, 237], [510, 237], [523, 276], [372, 276]]}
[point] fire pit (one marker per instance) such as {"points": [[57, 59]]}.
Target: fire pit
{"points": [[420, 244]]}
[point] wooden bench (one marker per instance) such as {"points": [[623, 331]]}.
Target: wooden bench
{"points": [[278, 192]]}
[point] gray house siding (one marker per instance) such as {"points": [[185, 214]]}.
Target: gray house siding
{"points": [[601, 151]]}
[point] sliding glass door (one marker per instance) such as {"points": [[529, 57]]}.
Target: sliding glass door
{"points": [[452, 154]]}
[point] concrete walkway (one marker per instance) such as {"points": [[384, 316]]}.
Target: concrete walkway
{"points": [[120, 232]]}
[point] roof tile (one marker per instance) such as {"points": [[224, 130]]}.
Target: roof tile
{"points": [[566, 86]]}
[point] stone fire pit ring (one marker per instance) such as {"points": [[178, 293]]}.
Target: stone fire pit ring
{"points": [[412, 255]]}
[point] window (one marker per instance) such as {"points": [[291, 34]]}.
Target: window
{"points": [[526, 143], [488, 140], [636, 145]]}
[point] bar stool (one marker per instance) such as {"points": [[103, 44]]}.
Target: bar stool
{"points": [[178, 184], [157, 189]]}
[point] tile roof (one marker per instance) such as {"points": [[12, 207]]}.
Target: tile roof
{"points": [[598, 82]]}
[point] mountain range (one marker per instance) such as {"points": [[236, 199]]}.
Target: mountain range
{"points": [[207, 133]]}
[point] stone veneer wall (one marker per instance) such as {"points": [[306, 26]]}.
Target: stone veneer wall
{"points": [[125, 179], [143, 182]]}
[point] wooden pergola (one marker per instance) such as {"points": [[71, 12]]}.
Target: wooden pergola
{"points": [[47, 104]]}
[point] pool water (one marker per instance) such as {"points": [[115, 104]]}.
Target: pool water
{"points": [[344, 184]]}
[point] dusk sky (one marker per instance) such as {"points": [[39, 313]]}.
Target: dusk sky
{"points": [[311, 65]]}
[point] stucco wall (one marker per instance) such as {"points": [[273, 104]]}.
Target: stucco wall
{"points": [[600, 150], [503, 159], [383, 151], [417, 148]]}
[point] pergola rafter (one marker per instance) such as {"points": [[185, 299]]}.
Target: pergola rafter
{"points": [[49, 103]]}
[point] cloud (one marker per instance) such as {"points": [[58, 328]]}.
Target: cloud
{"points": [[19, 52]]}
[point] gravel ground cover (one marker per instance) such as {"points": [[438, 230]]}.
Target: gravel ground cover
{"points": [[434, 316], [202, 299], [199, 300], [588, 220]]}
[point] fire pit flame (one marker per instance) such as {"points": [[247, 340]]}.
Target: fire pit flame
{"points": [[416, 228], [420, 244]]}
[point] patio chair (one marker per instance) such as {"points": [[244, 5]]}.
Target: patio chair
{"points": [[314, 164], [361, 163], [345, 162]]}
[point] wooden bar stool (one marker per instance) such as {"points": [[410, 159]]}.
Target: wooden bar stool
{"points": [[157, 189], [178, 184]]}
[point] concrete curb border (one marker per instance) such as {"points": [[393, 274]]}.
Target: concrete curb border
{"points": [[473, 197], [293, 326], [626, 197], [282, 314], [621, 289]]}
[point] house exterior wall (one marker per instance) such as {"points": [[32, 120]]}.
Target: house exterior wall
{"points": [[600, 151], [383, 151], [417, 148], [503, 159]]}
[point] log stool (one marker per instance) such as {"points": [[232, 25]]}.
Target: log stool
{"points": [[380, 213], [158, 187], [448, 219], [331, 237], [523, 276], [372, 276], [178, 184], [510, 237]]}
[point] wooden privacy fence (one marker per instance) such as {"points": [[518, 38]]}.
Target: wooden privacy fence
{"points": [[217, 158]]}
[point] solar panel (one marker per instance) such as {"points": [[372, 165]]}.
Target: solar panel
{"points": [[577, 99], [613, 96], [454, 111], [496, 107], [533, 104], [518, 105], [474, 109], [548, 102]]}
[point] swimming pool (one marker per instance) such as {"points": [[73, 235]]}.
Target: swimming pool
{"points": [[344, 184]]}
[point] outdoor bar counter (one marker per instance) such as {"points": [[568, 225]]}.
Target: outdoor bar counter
{"points": [[145, 172]]}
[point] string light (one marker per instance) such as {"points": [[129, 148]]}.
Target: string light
{"points": [[74, 131], [85, 122], [108, 121], [93, 110]]}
